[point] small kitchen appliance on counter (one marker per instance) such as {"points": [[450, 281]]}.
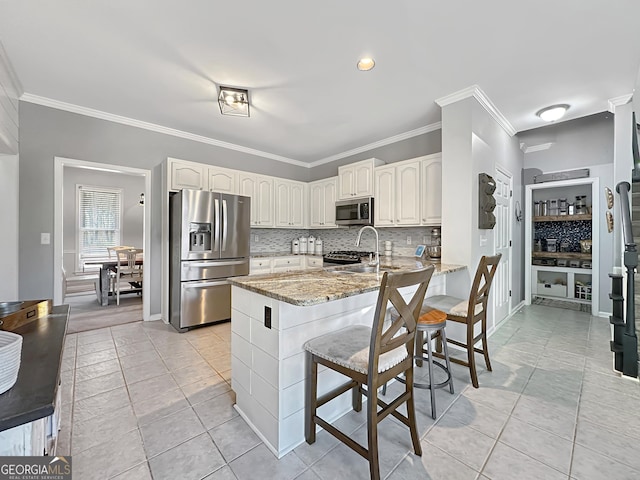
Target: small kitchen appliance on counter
{"points": [[318, 247], [295, 246]]}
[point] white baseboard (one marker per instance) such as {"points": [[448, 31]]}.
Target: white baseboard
{"points": [[604, 314], [157, 316]]}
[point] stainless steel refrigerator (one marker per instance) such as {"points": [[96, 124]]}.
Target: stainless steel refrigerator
{"points": [[209, 242]]}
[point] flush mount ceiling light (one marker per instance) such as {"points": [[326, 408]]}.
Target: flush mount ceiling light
{"points": [[553, 113], [234, 101], [366, 64]]}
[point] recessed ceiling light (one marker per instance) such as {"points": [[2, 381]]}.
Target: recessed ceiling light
{"points": [[366, 64], [553, 113]]}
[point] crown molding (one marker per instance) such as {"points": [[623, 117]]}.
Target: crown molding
{"points": [[90, 112], [617, 101], [380, 143], [13, 76], [536, 148], [476, 92]]}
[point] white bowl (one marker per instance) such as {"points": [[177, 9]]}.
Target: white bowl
{"points": [[10, 351]]}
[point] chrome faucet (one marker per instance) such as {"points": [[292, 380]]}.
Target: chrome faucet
{"points": [[377, 244]]}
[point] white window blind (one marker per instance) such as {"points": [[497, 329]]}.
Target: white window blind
{"points": [[99, 221]]}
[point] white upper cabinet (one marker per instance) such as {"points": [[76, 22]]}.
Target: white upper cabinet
{"points": [[260, 189], [356, 179], [397, 194], [290, 204], [188, 175], [223, 180], [384, 210], [322, 203], [431, 173]]}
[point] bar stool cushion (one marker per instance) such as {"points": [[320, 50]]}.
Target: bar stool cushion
{"points": [[349, 347], [432, 317], [453, 305]]}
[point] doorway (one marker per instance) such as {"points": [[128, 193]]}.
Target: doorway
{"points": [[65, 164], [503, 243]]}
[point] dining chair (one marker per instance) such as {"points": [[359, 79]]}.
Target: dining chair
{"points": [[370, 357], [469, 312], [126, 268]]}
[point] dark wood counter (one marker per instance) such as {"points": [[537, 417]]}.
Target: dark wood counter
{"points": [[34, 393]]}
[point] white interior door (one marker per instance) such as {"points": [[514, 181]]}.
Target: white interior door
{"points": [[502, 235]]}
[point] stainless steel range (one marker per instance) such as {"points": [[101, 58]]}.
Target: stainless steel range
{"points": [[344, 257]]}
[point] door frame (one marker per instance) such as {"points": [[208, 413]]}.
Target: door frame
{"points": [[510, 217], [58, 181]]}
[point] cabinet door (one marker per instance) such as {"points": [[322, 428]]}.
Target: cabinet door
{"points": [[283, 204], [432, 191], [346, 179], [316, 205], [264, 201], [407, 193], [258, 266], [287, 264], [363, 180], [384, 207], [247, 186], [187, 175], [223, 180], [329, 189], [297, 205]]}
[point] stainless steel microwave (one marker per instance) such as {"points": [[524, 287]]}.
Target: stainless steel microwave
{"points": [[355, 211]]}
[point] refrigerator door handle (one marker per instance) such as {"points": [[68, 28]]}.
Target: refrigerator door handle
{"points": [[224, 225], [213, 264], [203, 284], [216, 225]]}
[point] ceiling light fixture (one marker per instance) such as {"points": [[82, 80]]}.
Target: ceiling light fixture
{"points": [[234, 101], [553, 113], [366, 64]]}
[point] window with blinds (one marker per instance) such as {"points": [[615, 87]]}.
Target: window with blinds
{"points": [[99, 220]]}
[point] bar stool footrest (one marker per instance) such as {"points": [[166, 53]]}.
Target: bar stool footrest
{"points": [[426, 385]]}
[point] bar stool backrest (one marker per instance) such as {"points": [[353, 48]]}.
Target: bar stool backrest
{"points": [[481, 287], [384, 340]]}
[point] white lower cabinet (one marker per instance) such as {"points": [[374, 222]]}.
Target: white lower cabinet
{"points": [[288, 263]]}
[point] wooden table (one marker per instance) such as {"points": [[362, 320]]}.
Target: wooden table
{"points": [[102, 285]]}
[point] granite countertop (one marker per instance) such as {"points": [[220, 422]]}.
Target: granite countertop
{"points": [[313, 287], [33, 395]]}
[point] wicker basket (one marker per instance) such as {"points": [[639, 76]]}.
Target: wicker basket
{"points": [[10, 354]]}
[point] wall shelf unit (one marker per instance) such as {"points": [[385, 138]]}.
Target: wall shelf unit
{"points": [[562, 218], [575, 284]]}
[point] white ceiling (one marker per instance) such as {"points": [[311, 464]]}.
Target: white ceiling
{"points": [[160, 61]]}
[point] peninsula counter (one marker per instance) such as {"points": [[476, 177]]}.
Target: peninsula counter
{"points": [[273, 315]]}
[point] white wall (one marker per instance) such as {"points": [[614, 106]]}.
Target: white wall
{"points": [[132, 227], [622, 167], [473, 143]]}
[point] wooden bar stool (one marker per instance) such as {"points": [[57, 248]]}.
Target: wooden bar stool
{"points": [[469, 312], [431, 324], [370, 357]]}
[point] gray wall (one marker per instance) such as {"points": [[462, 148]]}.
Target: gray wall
{"points": [[425, 144], [587, 142], [576, 144], [132, 227], [46, 132]]}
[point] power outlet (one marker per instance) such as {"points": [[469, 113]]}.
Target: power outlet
{"points": [[256, 238], [408, 240], [424, 239]]}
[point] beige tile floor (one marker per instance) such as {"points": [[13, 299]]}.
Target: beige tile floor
{"points": [[142, 401]]}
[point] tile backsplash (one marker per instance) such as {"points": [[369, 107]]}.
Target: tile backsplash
{"points": [[279, 240]]}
